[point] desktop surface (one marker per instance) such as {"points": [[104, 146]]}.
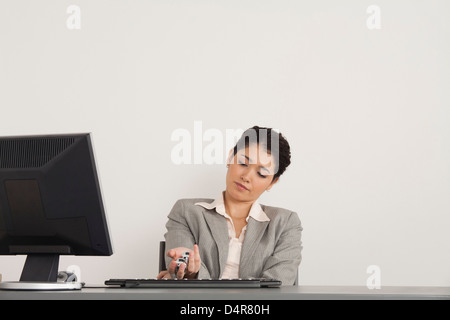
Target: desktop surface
{"points": [[101, 292]]}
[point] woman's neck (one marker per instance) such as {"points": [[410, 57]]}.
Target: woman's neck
{"points": [[236, 209]]}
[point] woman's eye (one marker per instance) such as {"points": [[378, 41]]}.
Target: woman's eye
{"points": [[242, 164], [261, 175]]}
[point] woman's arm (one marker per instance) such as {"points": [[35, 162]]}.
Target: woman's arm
{"points": [[179, 234], [283, 263]]}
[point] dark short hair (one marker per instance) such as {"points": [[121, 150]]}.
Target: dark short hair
{"points": [[273, 142]]}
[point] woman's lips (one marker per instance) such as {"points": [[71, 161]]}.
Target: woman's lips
{"points": [[241, 187]]}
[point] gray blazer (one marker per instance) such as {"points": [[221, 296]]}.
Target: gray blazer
{"points": [[271, 249]]}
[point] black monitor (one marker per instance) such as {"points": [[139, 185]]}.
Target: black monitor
{"points": [[50, 203]]}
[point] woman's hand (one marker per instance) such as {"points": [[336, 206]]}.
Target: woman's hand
{"points": [[190, 271]]}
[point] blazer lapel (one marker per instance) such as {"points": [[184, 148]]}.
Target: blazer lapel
{"points": [[253, 235], [219, 231]]}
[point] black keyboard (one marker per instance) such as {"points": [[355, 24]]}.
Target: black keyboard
{"points": [[194, 283]]}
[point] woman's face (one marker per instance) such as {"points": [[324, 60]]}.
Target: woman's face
{"points": [[250, 173]]}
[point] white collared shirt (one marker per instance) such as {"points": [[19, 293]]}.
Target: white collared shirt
{"points": [[231, 270]]}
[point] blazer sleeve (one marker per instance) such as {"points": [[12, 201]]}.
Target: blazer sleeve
{"points": [[179, 234], [283, 263]]}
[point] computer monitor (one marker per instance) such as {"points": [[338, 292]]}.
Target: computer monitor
{"points": [[50, 204]]}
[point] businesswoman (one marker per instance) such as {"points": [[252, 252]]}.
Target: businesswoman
{"points": [[234, 236]]}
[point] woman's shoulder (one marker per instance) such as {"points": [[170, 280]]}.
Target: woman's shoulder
{"points": [[276, 210], [186, 208], [190, 204], [279, 214], [193, 201]]}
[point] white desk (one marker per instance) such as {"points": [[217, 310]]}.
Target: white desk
{"points": [[283, 293]]}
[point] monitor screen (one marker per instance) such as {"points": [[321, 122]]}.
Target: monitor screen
{"points": [[50, 202]]}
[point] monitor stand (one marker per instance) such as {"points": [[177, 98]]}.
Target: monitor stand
{"points": [[40, 272]]}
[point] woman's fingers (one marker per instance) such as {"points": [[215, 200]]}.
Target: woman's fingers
{"points": [[197, 259], [191, 264], [194, 262], [171, 253], [181, 269], [189, 270], [176, 253], [163, 275], [172, 266]]}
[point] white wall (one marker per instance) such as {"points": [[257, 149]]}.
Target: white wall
{"points": [[367, 114]]}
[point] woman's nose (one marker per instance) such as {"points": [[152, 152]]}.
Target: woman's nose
{"points": [[244, 176]]}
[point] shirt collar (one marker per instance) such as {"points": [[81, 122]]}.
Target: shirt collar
{"points": [[256, 211]]}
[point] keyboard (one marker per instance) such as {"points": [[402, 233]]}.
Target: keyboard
{"points": [[194, 283]]}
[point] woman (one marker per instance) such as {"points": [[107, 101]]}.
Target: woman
{"points": [[234, 236]]}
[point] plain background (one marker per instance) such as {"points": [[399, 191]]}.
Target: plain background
{"points": [[367, 114]]}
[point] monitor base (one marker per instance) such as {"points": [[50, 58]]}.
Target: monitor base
{"points": [[42, 286]]}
